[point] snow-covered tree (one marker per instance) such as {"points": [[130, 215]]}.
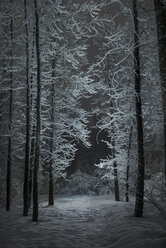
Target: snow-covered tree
{"points": [[65, 82], [160, 11], [115, 74], [12, 90]]}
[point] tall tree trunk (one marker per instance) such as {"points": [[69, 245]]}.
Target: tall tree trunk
{"points": [[51, 186], [140, 138], [32, 152], [160, 10], [51, 179], [116, 182], [115, 171], [115, 167], [26, 170], [33, 130], [128, 166], [8, 178], [38, 124]]}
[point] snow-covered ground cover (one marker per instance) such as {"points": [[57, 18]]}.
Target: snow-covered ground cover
{"points": [[83, 222]]}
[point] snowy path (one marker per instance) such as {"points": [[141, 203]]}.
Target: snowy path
{"points": [[83, 222]]}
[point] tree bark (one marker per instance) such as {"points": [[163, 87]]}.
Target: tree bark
{"points": [[38, 124], [33, 131], [116, 182], [140, 138], [160, 11], [115, 171], [51, 187], [128, 166], [8, 178], [26, 170], [51, 179], [32, 152]]}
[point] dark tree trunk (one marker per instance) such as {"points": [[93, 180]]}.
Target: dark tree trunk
{"points": [[140, 139], [128, 166], [116, 182], [26, 170], [8, 178], [51, 179], [115, 167], [160, 10], [51, 187], [37, 155], [115, 171], [33, 132], [32, 152]]}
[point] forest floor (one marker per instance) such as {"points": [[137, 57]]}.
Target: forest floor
{"points": [[83, 222]]}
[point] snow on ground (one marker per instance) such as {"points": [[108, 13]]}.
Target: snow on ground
{"points": [[83, 222]]}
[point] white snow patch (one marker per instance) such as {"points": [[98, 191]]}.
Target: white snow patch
{"points": [[83, 222]]}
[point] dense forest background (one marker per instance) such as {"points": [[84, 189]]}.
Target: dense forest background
{"points": [[82, 100]]}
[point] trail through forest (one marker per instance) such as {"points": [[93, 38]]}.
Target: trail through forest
{"points": [[83, 222]]}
